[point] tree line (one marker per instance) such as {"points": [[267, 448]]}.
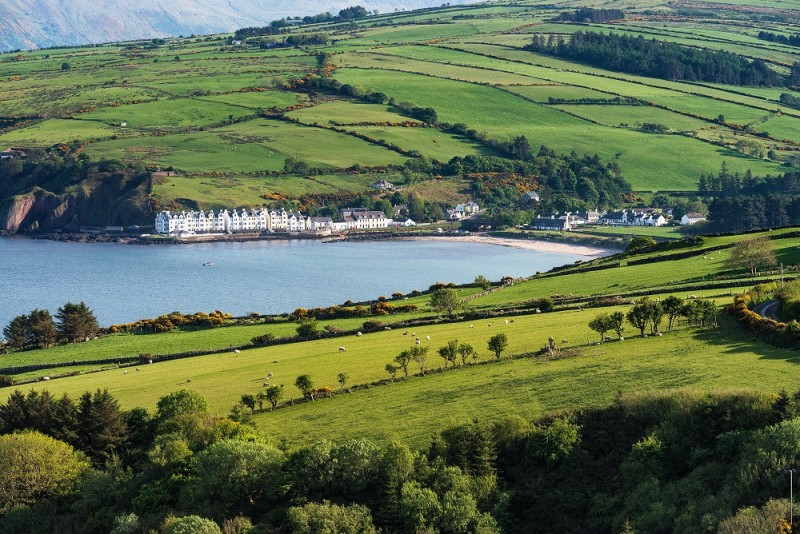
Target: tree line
{"points": [[39, 329], [683, 461], [281, 25], [662, 59], [740, 203], [588, 14], [791, 40]]}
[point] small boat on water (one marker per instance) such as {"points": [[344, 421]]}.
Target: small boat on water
{"points": [[208, 264]]}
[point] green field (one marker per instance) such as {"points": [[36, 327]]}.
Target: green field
{"points": [[55, 131]]}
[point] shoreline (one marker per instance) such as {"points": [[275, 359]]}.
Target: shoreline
{"points": [[525, 244], [588, 250]]}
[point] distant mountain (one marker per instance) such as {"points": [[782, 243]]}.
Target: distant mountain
{"points": [[28, 24]]}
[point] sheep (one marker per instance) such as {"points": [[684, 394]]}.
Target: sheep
{"points": [[149, 361], [506, 321], [490, 324], [138, 370], [342, 349], [538, 310], [564, 341], [124, 372], [236, 351], [358, 334], [45, 378], [269, 375], [405, 333], [188, 380], [418, 341], [427, 338], [387, 327], [621, 338], [512, 321], [472, 326]]}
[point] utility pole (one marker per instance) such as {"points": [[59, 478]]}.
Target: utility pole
{"points": [[791, 497]]}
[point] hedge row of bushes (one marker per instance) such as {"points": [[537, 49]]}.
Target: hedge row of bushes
{"points": [[774, 332]]}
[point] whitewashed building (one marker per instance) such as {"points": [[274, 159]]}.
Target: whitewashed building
{"points": [[364, 219], [692, 218], [235, 221]]}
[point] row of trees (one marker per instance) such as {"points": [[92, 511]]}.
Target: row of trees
{"points": [[662, 59], [792, 40], [662, 462], [652, 312], [281, 25], [72, 323]]}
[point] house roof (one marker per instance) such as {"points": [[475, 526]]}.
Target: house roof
{"points": [[695, 216]]}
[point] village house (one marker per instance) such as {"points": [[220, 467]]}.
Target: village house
{"points": [[463, 210], [635, 217], [530, 196], [692, 218], [319, 224], [551, 223], [364, 219], [383, 185], [235, 221], [400, 210]]}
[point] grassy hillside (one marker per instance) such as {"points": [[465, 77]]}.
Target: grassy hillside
{"points": [[465, 62]]}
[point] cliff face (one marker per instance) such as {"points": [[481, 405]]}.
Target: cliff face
{"points": [[118, 198]]}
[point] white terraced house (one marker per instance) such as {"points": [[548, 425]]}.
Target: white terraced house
{"points": [[364, 219], [255, 220]]}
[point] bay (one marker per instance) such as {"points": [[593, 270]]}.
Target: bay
{"points": [[123, 283]]}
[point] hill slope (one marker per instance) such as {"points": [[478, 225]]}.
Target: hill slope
{"points": [[43, 23]]}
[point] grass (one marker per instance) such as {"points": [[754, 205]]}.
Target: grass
{"points": [[55, 131], [168, 114], [343, 112]]}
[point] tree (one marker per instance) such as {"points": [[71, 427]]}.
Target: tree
{"points": [[274, 394], [305, 385], [41, 328], [101, 429], [173, 410], [751, 254], [639, 243], [601, 324], [403, 360], [249, 400], [617, 321], [308, 328], [672, 308], [465, 350], [36, 467], [342, 379], [447, 300], [420, 355], [190, 524], [76, 322], [497, 344], [325, 518], [66, 66], [655, 313], [482, 282], [639, 316], [392, 370], [16, 332], [449, 352], [233, 477]]}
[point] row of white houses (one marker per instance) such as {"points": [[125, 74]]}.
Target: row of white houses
{"points": [[264, 220]]}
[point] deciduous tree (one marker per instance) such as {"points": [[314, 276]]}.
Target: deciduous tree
{"points": [[497, 344], [751, 254]]}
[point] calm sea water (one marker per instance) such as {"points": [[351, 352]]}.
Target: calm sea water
{"points": [[122, 283]]}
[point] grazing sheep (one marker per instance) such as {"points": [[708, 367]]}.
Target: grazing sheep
{"points": [[149, 361], [138, 370], [621, 338], [418, 342], [538, 310], [387, 327], [45, 378], [512, 321], [428, 338], [413, 334], [564, 341], [405, 333], [358, 334], [236, 351], [506, 321], [124, 372], [269, 375], [188, 380], [490, 324], [472, 326], [342, 349]]}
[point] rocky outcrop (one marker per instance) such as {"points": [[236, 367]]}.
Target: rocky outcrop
{"points": [[31, 211]]}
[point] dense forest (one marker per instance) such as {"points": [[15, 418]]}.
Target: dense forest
{"points": [[661, 59], [664, 462], [588, 14], [792, 40], [743, 203]]}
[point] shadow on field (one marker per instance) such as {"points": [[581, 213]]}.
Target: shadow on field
{"points": [[729, 338]]}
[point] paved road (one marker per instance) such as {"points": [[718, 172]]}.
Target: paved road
{"points": [[768, 309]]}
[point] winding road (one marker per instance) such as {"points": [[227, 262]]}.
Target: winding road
{"points": [[768, 309]]}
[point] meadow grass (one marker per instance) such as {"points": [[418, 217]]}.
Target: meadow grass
{"points": [[343, 112], [54, 131], [258, 99], [614, 115], [168, 114], [427, 141]]}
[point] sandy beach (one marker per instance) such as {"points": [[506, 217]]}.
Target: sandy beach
{"points": [[527, 244]]}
